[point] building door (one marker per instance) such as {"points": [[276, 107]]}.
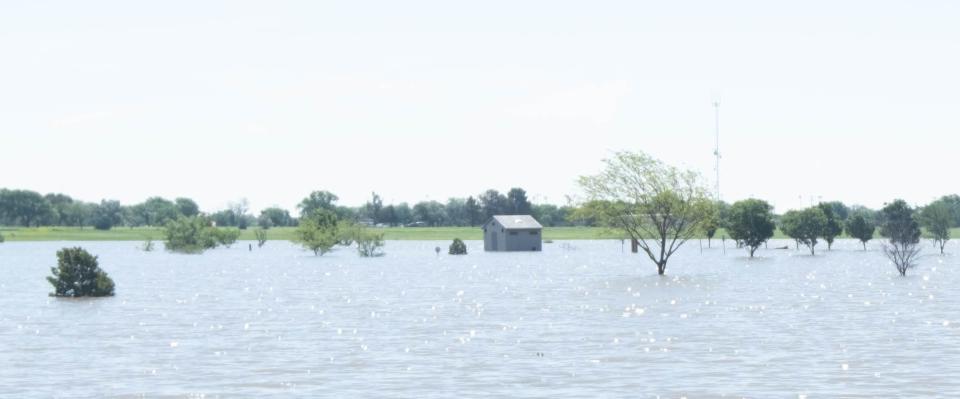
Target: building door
{"points": [[493, 241]]}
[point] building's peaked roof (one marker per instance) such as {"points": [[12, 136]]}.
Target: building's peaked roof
{"points": [[518, 222]]}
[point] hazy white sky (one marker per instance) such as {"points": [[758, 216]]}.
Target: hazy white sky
{"points": [[219, 100]]}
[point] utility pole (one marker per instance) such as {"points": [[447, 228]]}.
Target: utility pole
{"points": [[716, 148]]}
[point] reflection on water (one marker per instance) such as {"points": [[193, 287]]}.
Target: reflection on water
{"points": [[576, 320]]}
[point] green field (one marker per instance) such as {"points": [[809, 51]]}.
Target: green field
{"points": [[286, 233]]}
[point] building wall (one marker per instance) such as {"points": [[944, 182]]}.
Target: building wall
{"points": [[496, 238], [523, 240]]}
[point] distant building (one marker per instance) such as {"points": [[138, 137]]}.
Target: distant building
{"points": [[512, 233]]}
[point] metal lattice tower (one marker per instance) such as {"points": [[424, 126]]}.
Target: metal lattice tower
{"points": [[716, 148]]}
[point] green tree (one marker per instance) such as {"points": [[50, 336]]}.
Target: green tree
{"points": [[805, 226], [458, 247], [750, 222], [24, 207], [901, 227], [474, 211], [834, 226], [493, 203], [658, 205], [712, 223], [79, 274], [106, 215], [261, 235], [190, 235], [859, 227], [274, 217], [937, 218], [369, 244], [374, 208], [318, 232], [187, 207], [226, 237], [430, 212], [517, 202], [317, 200]]}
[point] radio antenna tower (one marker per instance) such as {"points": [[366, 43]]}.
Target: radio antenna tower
{"points": [[716, 148]]}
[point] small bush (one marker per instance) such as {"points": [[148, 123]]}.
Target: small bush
{"points": [[78, 274], [369, 244], [1, 237], [147, 245], [261, 235], [458, 247], [227, 237], [191, 235]]}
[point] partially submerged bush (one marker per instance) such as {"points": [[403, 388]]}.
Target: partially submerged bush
{"points": [[227, 237], [194, 235], [369, 244], [261, 235], [318, 232], [458, 247], [1, 237], [78, 274]]}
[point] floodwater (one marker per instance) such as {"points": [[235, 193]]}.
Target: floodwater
{"points": [[580, 319]]}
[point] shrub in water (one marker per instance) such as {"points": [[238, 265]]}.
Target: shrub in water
{"points": [[369, 244], [227, 237], [191, 235], [78, 274], [458, 247]]}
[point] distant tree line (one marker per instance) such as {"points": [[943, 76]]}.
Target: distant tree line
{"points": [[32, 209]]}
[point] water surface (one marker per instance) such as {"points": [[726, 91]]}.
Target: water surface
{"points": [[580, 319]]}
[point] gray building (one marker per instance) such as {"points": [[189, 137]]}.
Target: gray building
{"points": [[512, 233]]}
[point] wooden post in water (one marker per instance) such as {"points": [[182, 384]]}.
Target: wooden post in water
{"points": [[634, 245]]}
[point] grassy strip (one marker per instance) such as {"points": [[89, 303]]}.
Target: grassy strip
{"points": [[287, 233]]}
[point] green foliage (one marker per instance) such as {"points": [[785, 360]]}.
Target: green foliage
{"points": [[518, 203], [191, 235], [369, 244], [859, 227], [1, 238], [78, 274], [658, 205], [226, 236], [23, 207], [318, 232], [187, 207], [261, 236], [317, 200], [804, 226], [937, 218], [750, 222], [834, 226], [458, 247], [107, 214], [901, 227]]}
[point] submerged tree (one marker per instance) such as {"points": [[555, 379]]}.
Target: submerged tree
{"points": [[261, 236], [859, 227], [750, 222], [659, 206], [458, 247], [901, 227], [711, 223], [834, 225], [937, 218], [191, 235], [318, 231], [369, 244], [804, 226], [78, 274]]}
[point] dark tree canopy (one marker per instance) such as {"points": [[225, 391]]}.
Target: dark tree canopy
{"points": [[78, 274], [937, 218], [834, 226], [859, 227], [901, 228], [458, 247], [318, 200], [517, 202], [187, 207], [750, 222], [804, 226]]}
